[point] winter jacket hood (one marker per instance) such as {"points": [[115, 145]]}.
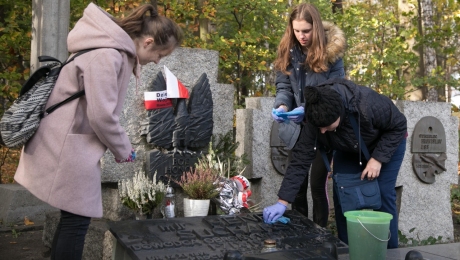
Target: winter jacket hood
{"points": [[336, 43], [96, 29]]}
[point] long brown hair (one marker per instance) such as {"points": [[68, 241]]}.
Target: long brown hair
{"points": [[316, 57], [145, 21]]}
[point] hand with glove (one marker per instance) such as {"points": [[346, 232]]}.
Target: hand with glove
{"points": [[280, 109], [130, 158], [299, 114], [274, 212]]}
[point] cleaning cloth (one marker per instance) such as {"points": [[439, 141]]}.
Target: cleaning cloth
{"points": [[282, 219]]}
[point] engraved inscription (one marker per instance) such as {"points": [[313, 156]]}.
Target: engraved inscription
{"points": [[211, 237]]}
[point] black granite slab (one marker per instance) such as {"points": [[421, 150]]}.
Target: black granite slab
{"points": [[211, 237]]}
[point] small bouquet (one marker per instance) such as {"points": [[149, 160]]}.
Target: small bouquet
{"points": [[140, 193]]}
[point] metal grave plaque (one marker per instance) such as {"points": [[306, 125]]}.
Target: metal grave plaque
{"points": [[211, 237], [429, 136], [429, 149]]}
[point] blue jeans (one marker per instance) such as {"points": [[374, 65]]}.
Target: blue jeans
{"points": [[69, 238], [348, 163]]}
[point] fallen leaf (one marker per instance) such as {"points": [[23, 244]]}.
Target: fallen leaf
{"points": [[12, 242], [27, 221]]}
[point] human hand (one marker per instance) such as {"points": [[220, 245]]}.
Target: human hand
{"points": [[274, 212], [130, 158], [372, 169], [278, 119], [299, 117]]}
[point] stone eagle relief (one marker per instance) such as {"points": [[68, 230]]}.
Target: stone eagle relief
{"points": [[180, 133]]}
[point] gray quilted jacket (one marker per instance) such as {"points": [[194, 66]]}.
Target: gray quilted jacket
{"points": [[381, 125]]}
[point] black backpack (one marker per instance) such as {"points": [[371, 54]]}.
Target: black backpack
{"points": [[22, 119]]}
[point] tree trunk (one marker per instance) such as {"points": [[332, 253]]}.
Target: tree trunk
{"points": [[50, 26], [203, 22], [337, 7], [405, 24], [429, 53]]}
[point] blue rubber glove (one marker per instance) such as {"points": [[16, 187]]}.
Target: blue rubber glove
{"points": [[274, 212], [277, 118], [299, 114]]}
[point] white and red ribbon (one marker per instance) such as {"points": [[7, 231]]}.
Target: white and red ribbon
{"points": [[156, 100], [174, 87]]}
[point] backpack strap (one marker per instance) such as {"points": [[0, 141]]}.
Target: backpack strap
{"points": [[74, 96], [56, 106], [45, 58], [78, 54]]}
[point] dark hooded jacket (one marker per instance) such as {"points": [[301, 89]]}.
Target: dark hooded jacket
{"points": [[381, 125], [289, 87]]}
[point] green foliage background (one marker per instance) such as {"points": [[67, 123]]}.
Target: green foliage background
{"points": [[382, 51], [246, 34]]}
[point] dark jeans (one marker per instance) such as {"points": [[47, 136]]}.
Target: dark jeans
{"points": [[69, 238], [318, 183], [346, 163]]}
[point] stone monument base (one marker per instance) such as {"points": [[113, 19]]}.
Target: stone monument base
{"points": [[17, 203]]}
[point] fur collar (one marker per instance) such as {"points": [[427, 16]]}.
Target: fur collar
{"points": [[336, 43]]}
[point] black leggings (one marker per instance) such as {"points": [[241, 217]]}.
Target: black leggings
{"points": [[318, 180], [69, 238]]}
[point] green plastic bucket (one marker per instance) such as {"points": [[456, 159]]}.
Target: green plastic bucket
{"points": [[368, 234]]}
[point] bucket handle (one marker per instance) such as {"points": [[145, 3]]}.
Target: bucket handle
{"points": [[382, 240]]}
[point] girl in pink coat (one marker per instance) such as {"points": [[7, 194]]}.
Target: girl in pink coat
{"points": [[60, 163]]}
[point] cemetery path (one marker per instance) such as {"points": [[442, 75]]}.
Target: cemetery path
{"points": [[22, 244]]}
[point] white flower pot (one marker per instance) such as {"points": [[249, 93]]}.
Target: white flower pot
{"points": [[195, 208]]}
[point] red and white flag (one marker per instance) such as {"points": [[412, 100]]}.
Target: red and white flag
{"points": [[156, 99], [174, 87]]}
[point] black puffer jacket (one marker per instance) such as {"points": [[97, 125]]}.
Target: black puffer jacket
{"points": [[382, 127]]}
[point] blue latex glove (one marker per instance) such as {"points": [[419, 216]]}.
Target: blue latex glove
{"points": [[286, 115], [274, 212], [297, 114], [275, 113]]}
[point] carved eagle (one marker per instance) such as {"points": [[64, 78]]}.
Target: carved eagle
{"points": [[185, 127]]}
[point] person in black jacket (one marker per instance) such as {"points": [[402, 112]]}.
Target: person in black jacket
{"points": [[310, 52], [383, 129]]}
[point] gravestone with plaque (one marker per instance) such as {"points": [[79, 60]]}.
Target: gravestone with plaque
{"points": [[428, 149]]}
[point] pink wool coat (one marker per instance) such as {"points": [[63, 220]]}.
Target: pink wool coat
{"points": [[60, 163]]}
